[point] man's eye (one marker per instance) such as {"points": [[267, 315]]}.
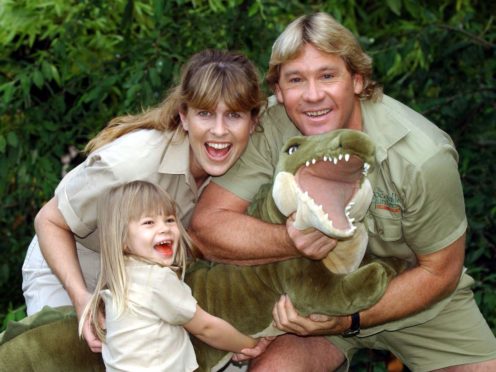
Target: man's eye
{"points": [[295, 80], [292, 149]]}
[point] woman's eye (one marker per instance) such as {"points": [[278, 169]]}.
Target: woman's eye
{"points": [[204, 114], [295, 80], [234, 115], [292, 149]]}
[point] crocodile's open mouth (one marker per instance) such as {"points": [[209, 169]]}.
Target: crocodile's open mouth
{"points": [[328, 192]]}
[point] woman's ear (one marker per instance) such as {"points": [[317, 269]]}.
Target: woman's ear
{"points": [[184, 122], [253, 124]]}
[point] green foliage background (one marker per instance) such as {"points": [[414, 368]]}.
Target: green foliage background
{"points": [[67, 67]]}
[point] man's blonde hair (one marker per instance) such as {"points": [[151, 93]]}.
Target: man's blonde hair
{"points": [[116, 209], [329, 36]]}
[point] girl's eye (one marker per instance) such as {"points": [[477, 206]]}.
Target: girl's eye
{"points": [[148, 222], [170, 219]]}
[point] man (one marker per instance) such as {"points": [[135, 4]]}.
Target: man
{"points": [[427, 317]]}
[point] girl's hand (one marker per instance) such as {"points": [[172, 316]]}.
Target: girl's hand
{"points": [[260, 347]]}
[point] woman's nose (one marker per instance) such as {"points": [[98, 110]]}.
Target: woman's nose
{"points": [[219, 127]]}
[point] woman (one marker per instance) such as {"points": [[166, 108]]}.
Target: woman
{"points": [[200, 130]]}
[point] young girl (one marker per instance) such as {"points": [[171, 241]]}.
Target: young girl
{"points": [[148, 309]]}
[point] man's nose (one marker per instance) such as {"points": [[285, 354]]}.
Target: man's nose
{"points": [[313, 91]]}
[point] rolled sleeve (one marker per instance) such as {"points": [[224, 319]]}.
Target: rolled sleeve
{"points": [[78, 193]]}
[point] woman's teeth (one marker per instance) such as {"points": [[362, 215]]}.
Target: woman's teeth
{"points": [[218, 146]]}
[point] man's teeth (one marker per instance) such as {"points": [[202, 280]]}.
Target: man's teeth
{"points": [[317, 113], [218, 146], [335, 159]]}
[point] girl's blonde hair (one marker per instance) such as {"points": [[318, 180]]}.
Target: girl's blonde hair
{"points": [[116, 209], [329, 36], [208, 77]]}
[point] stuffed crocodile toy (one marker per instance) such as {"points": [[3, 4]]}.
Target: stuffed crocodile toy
{"points": [[322, 181]]}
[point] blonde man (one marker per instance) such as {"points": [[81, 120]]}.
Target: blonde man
{"points": [[428, 317]]}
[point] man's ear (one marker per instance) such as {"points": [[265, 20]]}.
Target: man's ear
{"points": [[357, 83], [184, 122], [279, 95]]}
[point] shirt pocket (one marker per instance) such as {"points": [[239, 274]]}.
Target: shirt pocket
{"points": [[385, 228]]}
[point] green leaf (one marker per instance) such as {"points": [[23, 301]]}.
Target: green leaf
{"points": [[395, 6], [12, 139], [8, 92], [38, 78], [3, 144]]}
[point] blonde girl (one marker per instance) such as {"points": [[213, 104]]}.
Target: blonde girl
{"points": [[147, 306]]}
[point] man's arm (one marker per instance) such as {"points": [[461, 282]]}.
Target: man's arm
{"points": [[224, 233], [58, 246], [435, 277]]}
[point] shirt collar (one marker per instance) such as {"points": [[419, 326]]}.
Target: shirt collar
{"points": [[176, 155], [383, 126], [176, 159]]}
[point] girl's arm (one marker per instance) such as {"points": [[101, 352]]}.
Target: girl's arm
{"points": [[218, 333]]}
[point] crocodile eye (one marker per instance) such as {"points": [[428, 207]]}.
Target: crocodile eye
{"points": [[291, 150]]}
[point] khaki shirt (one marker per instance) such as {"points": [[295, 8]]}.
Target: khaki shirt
{"points": [[149, 335], [418, 205], [148, 155]]}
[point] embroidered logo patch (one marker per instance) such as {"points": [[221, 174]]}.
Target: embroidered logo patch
{"points": [[388, 202]]}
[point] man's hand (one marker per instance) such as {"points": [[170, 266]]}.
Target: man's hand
{"points": [[311, 243], [287, 319]]}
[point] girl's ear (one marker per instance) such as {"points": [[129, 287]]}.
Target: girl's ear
{"points": [[184, 122]]}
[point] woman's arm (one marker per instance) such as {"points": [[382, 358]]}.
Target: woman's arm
{"points": [[58, 246]]}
